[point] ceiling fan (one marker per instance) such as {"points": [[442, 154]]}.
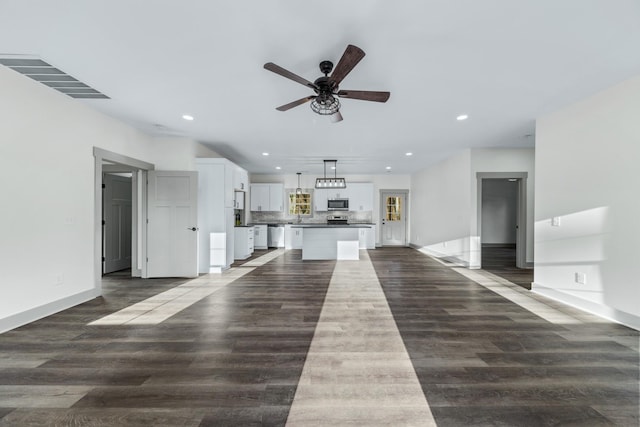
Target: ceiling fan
{"points": [[325, 101]]}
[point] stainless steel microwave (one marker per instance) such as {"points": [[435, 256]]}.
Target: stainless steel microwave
{"points": [[337, 204]]}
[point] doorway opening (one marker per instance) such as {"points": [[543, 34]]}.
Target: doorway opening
{"points": [[117, 218], [112, 167], [502, 226]]}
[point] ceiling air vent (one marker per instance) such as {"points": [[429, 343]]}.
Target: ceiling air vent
{"points": [[50, 76]]}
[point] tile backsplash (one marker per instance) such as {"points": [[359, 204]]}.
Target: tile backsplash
{"points": [[317, 217]]}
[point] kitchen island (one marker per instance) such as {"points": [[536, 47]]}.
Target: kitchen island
{"points": [[328, 241]]}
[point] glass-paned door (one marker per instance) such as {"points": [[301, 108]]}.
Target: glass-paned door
{"points": [[394, 218]]}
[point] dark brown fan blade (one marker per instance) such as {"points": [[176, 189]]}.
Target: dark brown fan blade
{"points": [[288, 74], [365, 95], [290, 105], [350, 58]]}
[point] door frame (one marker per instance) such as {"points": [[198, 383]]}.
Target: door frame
{"points": [[105, 160], [521, 234], [382, 212]]}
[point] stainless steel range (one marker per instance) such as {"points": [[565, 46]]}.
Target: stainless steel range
{"points": [[337, 219]]}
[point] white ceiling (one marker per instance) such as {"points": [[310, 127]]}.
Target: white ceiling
{"points": [[502, 62]]}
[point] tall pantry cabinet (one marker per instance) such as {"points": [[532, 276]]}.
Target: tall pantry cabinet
{"points": [[217, 179]]}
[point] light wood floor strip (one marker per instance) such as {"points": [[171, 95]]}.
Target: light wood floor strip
{"points": [[160, 307], [517, 295], [357, 370]]}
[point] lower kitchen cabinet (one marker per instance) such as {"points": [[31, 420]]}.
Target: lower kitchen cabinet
{"points": [[367, 237], [243, 242], [292, 237]]}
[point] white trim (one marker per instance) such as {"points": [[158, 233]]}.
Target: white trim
{"points": [[603, 311], [45, 310]]}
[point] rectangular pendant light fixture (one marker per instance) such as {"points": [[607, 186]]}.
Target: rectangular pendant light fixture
{"points": [[334, 182]]}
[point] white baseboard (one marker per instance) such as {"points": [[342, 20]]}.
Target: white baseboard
{"points": [[603, 311], [37, 313], [444, 258]]}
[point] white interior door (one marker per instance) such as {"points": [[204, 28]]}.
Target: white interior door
{"points": [[172, 233], [394, 218], [116, 222]]}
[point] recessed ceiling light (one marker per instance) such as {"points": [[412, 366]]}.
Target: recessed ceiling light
{"points": [[187, 117], [462, 117], [388, 168], [408, 154], [278, 167], [265, 154]]}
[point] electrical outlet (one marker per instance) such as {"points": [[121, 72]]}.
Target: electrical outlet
{"points": [[59, 279], [581, 278], [555, 221]]}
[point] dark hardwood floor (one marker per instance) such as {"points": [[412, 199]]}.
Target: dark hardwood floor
{"points": [[485, 361], [235, 356], [501, 261]]}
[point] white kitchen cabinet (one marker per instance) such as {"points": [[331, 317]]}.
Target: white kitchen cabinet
{"points": [[367, 237], [371, 237], [240, 179], [320, 199], [276, 197], [338, 194], [243, 242], [216, 202], [260, 236], [360, 196], [229, 194], [292, 237], [267, 197], [259, 197], [296, 238], [239, 200]]}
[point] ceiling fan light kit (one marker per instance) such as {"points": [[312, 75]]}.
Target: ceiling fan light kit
{"points": [[334, 182], [325, 102]]}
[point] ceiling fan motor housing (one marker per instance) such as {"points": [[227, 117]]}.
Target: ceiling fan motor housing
{"points": [[326, 67]]}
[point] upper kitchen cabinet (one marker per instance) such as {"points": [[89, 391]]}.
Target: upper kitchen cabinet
{"points": [[240, 179], [267, 197], [360, 196], [320, 196]]}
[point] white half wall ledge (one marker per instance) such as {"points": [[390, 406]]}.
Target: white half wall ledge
{"points": [[20, 319], [600, 310]]}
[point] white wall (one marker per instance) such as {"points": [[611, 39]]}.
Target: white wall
{"points": [[444, 202], [440, 207], [587, 162], [47, 179], [499, 211]]}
